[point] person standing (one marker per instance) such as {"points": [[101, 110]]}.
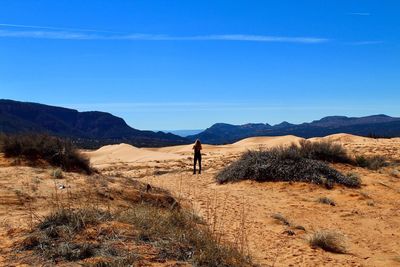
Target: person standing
{"points": [[197, 155]]}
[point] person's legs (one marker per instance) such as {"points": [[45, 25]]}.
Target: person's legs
{"points": [[194, 164], [199, 164]]}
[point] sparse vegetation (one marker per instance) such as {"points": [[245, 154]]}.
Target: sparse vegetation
{"points": [[371, 162], [326, 200], [181, 236], [71, 235], [286, 164], [329, 241], [39, 147]]}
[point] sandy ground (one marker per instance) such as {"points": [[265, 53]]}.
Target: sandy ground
{"points": [[369, 217]]}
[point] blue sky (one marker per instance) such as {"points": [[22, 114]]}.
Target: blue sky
{"points": [[188, 64]]}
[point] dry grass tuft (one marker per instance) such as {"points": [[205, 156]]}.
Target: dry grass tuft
{"points": [[280, 218], [57, 173], [326, 200], [329, 241]]}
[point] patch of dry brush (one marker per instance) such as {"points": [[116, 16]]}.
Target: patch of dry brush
{"points": [[153, 227], [40, 147], [304, 163]]}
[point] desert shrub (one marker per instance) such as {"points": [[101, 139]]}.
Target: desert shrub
{"points": [[56, 151], [324, 150], [326, 200], [282, 164], [329, 241], [371, 162]]}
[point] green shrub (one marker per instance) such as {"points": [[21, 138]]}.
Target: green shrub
{"points": [[282, 164], [56, 151]]}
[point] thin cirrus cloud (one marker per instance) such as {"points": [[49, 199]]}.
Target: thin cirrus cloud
{"points": [[46, 32], [41, 32], [366, 43], [360, 14]]}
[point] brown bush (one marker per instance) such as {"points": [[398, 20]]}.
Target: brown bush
{"points": [[56, 151], [284, 164]]}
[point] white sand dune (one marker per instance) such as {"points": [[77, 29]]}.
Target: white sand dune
{"points": [[343, 138], [125, 153], [268, 141]]}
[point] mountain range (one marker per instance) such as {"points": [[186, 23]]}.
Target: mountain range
{"points": [[375, 125], [94, 129], [87, 129]]}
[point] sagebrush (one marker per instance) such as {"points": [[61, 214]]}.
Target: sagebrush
{"points": [[56, 151], [293, 163]]}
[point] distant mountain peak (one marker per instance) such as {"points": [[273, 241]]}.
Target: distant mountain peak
{"points": [[283, 124]]}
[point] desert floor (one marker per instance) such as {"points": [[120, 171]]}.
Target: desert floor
{"points": [[240, 213]]}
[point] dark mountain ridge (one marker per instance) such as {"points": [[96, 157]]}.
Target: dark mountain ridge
{"points": [[375, 125], [88, 129]]}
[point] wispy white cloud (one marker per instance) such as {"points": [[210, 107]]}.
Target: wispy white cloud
{"points": [[366, 43], [360, 14], [40, 32], [52, 28], [48, 35], [45, 32], [228, 37]]}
